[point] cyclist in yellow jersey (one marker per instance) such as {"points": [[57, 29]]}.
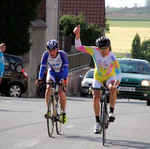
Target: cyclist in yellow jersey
{"points": [[106, 69]]}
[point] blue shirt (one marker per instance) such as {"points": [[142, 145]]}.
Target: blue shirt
{"points": [[1, 62], [57, 65]]}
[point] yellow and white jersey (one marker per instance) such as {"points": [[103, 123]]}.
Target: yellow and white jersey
{"points": [[104, 66]]}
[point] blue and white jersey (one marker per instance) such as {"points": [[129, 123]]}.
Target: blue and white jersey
{"points": [[57, 65], [1, 62]]}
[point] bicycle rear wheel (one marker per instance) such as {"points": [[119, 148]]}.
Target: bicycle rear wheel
{"points": [[58, 121], [50, 118], [41, 90]]}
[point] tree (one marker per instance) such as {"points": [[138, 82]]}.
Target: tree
{"points": [[136, 47], [135, 5], [147, 3], [89, 32], [16, 17]]}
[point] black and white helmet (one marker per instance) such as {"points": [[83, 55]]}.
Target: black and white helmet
{"points": [[52, 44], [102, 42]]}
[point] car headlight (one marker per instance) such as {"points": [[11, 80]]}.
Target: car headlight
{"points": [[85, 84], [145, 83]]}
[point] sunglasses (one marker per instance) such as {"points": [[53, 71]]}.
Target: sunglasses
{"points": [[104, 48]]}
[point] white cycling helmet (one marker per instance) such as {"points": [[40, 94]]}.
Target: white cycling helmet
{"points": [[52, 44]]}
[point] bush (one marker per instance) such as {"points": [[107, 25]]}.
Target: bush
{"points": [[140, 51], [145, 50], [89, 31]]}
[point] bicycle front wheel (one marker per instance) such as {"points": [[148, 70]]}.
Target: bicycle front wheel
{"points": [[58, 121], [50, 117], [104, 125]]}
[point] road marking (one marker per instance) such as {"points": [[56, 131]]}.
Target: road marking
{"points": [[70, 126], [32, 144]]}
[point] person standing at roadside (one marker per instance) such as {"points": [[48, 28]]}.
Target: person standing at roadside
{"points": [[2, 50]]}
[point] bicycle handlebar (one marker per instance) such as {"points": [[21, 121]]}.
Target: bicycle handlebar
{"points": [[103, 88]]}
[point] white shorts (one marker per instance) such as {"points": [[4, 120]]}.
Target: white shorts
{"points": [[97, 84]]}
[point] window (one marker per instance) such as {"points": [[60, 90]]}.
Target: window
{"points": [[12, 64]]}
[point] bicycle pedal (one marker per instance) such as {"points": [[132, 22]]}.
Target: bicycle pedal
{"points": [[106, 126], [58, 119], [111, 119], [97, 133], [46, 117]]}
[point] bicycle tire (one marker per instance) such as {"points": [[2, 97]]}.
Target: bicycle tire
{"points": [[58, 118], [104, 125], [51, 117], [41, 90]]}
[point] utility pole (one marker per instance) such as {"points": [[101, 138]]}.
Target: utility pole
{"points": [[52, 19]]}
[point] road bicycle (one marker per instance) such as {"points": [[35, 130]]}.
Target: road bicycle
{"points": [[104, 116], [54, 109]]}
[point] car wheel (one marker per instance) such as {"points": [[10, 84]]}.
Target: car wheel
{"points": [[148, 102], [14, 90]]}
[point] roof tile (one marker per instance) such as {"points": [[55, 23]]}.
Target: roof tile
{"points": [[94, 10]]}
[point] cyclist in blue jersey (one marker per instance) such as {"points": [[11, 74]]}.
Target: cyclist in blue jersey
{"points": [[2, 50], [58, 67]]}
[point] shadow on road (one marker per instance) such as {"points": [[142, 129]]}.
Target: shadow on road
{"points": [[127, 144]]}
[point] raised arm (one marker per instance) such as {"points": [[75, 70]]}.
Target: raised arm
{"points": [[78, 43]]}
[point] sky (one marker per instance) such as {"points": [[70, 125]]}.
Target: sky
{"points": [[124, 3]]}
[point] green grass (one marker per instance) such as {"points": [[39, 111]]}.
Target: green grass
{"points": [[122, 34]]}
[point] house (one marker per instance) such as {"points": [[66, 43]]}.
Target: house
{"points": [[93, 10]]}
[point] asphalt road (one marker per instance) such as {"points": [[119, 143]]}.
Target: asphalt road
{"points": [[22, 125]]}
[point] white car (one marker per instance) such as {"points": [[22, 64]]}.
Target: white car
{"points": [[87, 82]]}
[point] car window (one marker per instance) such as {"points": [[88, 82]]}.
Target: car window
{"points": [[89, 74], [12, 64], [134, 67]]}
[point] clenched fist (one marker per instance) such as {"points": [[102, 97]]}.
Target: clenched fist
{"points": [[77, 31]]}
